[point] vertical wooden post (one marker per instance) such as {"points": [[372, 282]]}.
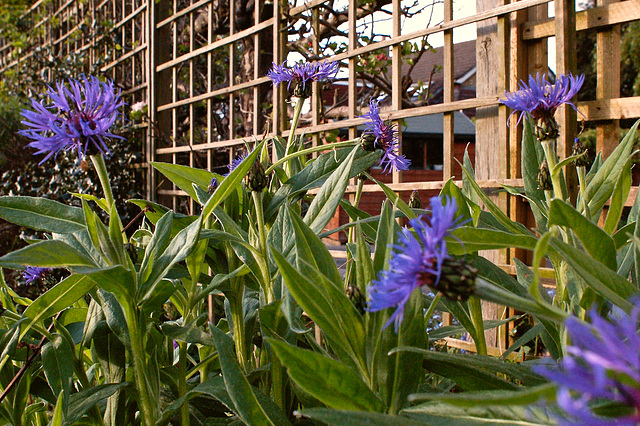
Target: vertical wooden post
{"points": [[396, 74], [447, 87], [608, 85], [492, 149], [565, 22]]}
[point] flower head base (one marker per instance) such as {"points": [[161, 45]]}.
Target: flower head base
{"points": [[33, 273], [602, 365], [80, 116], [301, 74], [583, 152], [544, 177], [421, 259], [414, 201], [381, 134], [540, 99], [256, 180]]}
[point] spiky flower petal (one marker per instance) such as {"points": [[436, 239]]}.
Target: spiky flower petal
{"points": [[602, 365], [385, 137], [540, 98], [301, 74], [417, 261], [33, 273], [78, 116]]}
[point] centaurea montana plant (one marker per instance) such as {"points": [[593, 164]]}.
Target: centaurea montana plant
{"points": [[302, 74], [602, 365], [385, 137], [420, 259], [79, 116]]}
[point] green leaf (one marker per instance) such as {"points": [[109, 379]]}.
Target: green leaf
{"points": [[48, 253], [115, 279], [56, 299], [41, 214], [238, 388], [57, 363], [356, 418], [59, 409], [498, 214], [442, 414], [316, 173], [328, 306], [328, 198], [313, 251], [231, 182], [396, 373], [177, 250], [475, 372], [620, 194], [523, 396], [386, 231], [81, 402], [598, 243], [184, 177], [596, 275], [213, 387], [469, 240], [604, 181], [328, 380]]}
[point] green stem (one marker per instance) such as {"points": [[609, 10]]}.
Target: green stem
{"points": [[324, 147], [356, 201], [277, 373], [235, 304], [262, 232], [101, 169], [552, 159], [294, 123], [475, 309], [182, 383], [148, 409], [582, 181]]}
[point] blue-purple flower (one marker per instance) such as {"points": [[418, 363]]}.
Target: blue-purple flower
{"points": [[385, 137], [602, 365], [541, 98], [33, 273], [420, 259], [78, 116], [301, 74], [236, 162]]}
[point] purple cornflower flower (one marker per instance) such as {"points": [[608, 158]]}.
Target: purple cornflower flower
{"points": [[302, 73], [386, 138], [540, 98], [236, 162], [79, 116], [33, 273], [601, 365], [419, 259]]}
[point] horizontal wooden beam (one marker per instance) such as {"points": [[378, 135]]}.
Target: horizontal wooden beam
{"points": [[598, 17], [609, 109]]}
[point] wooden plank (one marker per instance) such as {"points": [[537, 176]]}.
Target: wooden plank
{"points": [[608, 83], [598, 17], [181, 13], [447, 87]]}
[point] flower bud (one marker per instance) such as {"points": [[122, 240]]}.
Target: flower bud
{"points": [[580, 149], [212, 186], [457, 279], [132, 251], [544, 177], [357, 298], [301, 89], [256, 180], [368, 142], [414, 201], [546, 128]]}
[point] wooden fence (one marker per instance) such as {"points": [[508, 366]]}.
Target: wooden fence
{"points": [[201, 67]]}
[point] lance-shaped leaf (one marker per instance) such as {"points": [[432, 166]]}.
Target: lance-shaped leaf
{"points": [[328, 380], [41, 214], [184, 177], [49, 253]]}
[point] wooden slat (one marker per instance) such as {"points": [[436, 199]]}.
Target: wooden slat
{"points": [[602, 16]]}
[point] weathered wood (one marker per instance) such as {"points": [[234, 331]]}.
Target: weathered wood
{"points": [[608, 84], [605, 15]]}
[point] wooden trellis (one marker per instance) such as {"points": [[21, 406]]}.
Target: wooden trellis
{"points": [[205, 102]]}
